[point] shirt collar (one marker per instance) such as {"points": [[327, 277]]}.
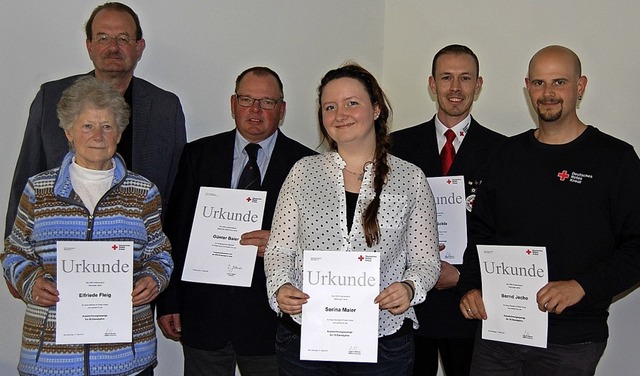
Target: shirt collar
{"points": [[460, 129], [266, 145]]}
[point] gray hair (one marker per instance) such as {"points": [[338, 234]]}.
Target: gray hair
{"points": [[89, 91]]}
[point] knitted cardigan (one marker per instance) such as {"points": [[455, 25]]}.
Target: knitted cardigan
{"points": [[51, 211]]}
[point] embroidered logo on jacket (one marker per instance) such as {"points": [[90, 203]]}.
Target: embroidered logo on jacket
{"points": [[574, 177]]}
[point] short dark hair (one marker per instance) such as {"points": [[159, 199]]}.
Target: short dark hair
{"points": [[260, 72], [88, 27], [456, 49]]}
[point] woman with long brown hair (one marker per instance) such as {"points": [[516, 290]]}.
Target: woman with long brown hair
{"points": [[355, 198]]}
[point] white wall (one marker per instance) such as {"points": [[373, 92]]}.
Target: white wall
{"points": [[197, 48]]}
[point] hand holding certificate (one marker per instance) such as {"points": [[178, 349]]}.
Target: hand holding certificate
{"points": [[214, 254], [511, 278]]}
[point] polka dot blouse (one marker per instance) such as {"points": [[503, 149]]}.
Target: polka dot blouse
{"points": [[311, 215]]}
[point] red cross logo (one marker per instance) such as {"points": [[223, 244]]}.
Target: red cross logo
{"points": [[563, 175], [114, 247], [360, 258], [248, 199], [449, 181], [528, 251], [461, 133]]}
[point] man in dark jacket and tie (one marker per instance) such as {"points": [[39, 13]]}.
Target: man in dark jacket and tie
{"points": [[221, 326], [451, 143]]}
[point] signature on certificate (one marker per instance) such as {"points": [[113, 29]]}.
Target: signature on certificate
{"points": [[232, 270], [353, 350]]}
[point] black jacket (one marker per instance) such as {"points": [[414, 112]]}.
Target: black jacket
{"points": [[214, 315]]}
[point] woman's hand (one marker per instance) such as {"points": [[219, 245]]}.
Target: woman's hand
{"points": [[144, 291], [396, 298], [44, 292], [290, 299]]}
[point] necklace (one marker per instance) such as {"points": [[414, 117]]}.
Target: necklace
{"points": [[358, 176]]}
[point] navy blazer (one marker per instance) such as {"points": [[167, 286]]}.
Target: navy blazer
{"points": [[214, 315], [158, 137], [439, 315]]}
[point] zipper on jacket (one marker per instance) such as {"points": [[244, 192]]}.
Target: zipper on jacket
{"points": [[89, 227], [89, 236], [87, 350]]}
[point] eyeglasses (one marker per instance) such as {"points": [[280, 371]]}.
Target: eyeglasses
{"points": [[265, 103], [121, 40]]}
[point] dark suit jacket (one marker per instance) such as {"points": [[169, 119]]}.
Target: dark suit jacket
{"points": [[439, 316], [214, 315], [158, 137]]}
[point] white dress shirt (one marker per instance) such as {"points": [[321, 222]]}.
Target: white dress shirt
{"points": [[311, 215], [459, 129], [240, 157]]}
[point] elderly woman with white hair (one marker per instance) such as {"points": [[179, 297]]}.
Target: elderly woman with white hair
{"points": [[90, 197]]}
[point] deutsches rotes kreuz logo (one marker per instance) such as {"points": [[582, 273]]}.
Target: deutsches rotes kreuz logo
{"points": [[573, 177], [253, 200]]}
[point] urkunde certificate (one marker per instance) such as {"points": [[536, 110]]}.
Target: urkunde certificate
{"points": [[511, 278], [340, 319], [95, 280], [214, 253], [449, 195]]}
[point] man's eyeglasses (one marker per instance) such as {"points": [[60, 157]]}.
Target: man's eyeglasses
{"points": [[265, 103], [121, 40]]}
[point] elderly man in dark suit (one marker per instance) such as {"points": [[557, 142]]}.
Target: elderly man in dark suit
{"points": [[221, 326], [452, 143], [151, 144]]}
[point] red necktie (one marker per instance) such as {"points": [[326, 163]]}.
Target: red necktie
{"points": [[448, 151]]}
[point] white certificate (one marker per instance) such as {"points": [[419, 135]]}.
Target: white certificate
{"points": [[449, 195], [95, 280], [511, 278], [340, 319], [214, 254]]}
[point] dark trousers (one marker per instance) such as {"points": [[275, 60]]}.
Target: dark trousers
{"points": [[455, 354], [146, 372], [492, 358], [223, 362], [395, 358]]}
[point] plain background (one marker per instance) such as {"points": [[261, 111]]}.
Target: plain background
{"points": [[197, 48]]}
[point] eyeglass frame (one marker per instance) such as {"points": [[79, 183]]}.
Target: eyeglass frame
{"points": [[105, 39], [260, 103]]}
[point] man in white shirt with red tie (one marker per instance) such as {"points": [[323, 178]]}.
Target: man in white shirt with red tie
{"points": [[451, 143]]}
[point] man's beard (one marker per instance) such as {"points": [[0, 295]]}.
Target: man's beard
{"points": [[550, 116]]}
